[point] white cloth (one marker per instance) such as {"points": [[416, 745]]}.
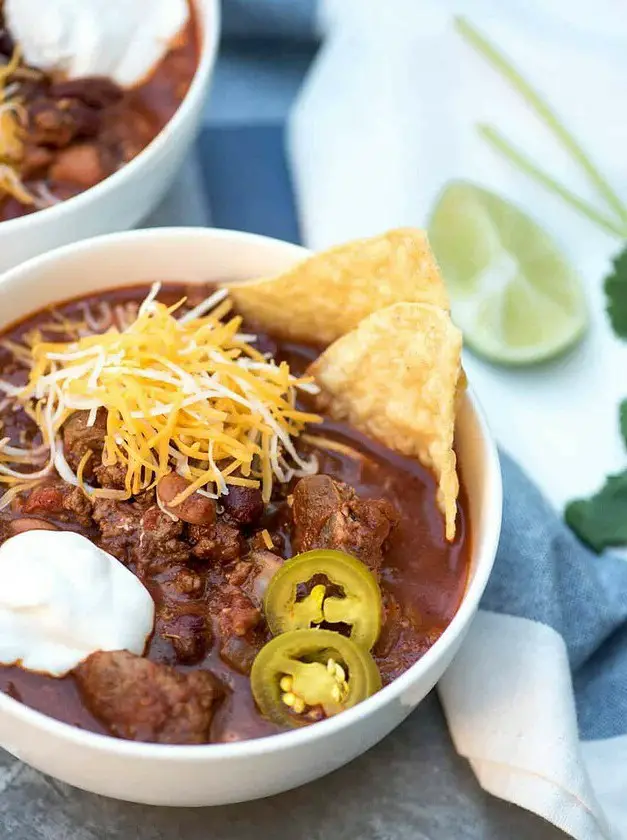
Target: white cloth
{"points": [[387, 116]]}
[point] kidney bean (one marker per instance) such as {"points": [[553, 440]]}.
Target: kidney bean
{"points": [[95, 91], [196, 509], [243, 504]]}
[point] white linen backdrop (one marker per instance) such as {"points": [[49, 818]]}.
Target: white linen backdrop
{"points": [[386, 117]]}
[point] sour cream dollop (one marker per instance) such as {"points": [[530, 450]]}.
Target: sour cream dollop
{"points": [[121, 39], [62, 598]]}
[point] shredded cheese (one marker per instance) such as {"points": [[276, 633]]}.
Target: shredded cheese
{"points": [[265, 536], [12, 119], [189, 394]]}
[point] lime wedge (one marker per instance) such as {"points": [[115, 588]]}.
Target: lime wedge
{"points": [[513, 294]]}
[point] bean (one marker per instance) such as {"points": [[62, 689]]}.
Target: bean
{"points": [[243, 504], [195, 509], [19, 526]]}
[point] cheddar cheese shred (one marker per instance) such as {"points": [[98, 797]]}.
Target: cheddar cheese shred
{"points": [[190, 391]]}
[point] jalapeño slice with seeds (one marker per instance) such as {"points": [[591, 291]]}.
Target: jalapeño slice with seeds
{"points": [[303, 671], [359, 606]]}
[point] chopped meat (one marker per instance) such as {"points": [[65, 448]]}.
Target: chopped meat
{"points": [[76, 503], [238, 614], [113, 477], [132, 533], [79, 438], [329, 514], [145, 701], [180, 583], [190, 635], [254, 573], [119, 524], [161, 539], [239, 653], [219, 543], [57, 122], [79, 164], [183, 614], [243, 504]]}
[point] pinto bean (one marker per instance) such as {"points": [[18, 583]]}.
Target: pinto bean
{"points": [[20, 526], [196, 509]]}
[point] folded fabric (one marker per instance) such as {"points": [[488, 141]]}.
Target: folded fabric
{"points": [[545, 660]]}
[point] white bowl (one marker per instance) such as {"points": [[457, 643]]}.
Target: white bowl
{"points": [[222, 773], [124, 198]]}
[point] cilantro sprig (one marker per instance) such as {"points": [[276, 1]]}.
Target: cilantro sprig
{"points": [[616, 223], [601, 520], [616, 295]]}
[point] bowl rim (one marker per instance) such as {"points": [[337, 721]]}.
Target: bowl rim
{"points": [[209, 20], [279, 742]]}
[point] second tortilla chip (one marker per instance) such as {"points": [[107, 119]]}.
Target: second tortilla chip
{"points": [[328, 294], [395, 378]]}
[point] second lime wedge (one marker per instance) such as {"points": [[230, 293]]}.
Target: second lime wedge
{"points": [[513, 293]]}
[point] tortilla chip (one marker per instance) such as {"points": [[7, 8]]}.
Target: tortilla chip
{"points": [[328, 294], [396, 378]]}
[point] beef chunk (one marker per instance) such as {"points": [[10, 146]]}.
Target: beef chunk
{"points": [[238, 614], [183, 614], [179, 583], [190, 635], [76, 503], [133, 534], [239, 653], [253, 574], [219, 543], [144, 701], [119, 524], [79, 438], [329, 514], [161, 539], [113, 477]]}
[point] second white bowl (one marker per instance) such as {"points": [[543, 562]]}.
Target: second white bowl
{"points": [[124, 198]]}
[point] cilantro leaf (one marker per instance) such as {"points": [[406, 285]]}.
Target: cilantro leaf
{"points": [[623, 420], [601, 520], [616, 295]]}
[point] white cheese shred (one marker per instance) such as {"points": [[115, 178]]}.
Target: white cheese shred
{"points": [[189, 393]]}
